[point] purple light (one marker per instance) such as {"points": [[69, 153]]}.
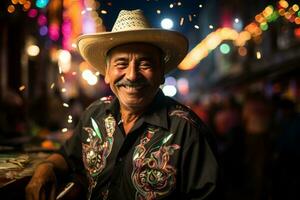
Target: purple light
{"points": [[43, 30], [42, 20], [32, 13]]}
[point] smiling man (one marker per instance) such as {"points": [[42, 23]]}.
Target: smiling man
{"points": [[141, 144]]}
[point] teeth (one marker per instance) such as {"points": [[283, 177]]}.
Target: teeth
{"points": [[132, 87]]}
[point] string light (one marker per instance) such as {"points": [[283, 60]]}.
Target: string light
{"points": [[252, 30], [21, 88]]}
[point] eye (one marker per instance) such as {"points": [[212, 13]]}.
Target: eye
{"points": [[145, 65], [121, 64]]}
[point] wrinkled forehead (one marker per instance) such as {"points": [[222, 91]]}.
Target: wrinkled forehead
{"points": [[145, 49]]}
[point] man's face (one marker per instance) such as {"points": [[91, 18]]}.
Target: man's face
{"points": [[134, 73]]}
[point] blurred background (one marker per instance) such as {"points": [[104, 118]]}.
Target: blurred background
{"points": [[241, 77]]}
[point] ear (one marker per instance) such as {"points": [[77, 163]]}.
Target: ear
{"points": [[106, 76]]}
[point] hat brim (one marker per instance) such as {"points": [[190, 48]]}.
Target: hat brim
{"points": [[94, 47]]}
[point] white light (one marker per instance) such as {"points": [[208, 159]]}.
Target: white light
{"points": [[166, 23], [236, 20], [211, 26], [258, 55], [169, 90], [89, 77], [33, 50], [64, 60], [64, 130], [92, 80], [86, 74]]}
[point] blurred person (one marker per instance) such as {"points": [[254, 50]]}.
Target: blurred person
{"points": [[257, 124], [287, 152], [230, 144], [12, 115], [141, 144]]}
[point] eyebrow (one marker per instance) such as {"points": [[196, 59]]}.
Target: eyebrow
{"points": [[141, 58]]}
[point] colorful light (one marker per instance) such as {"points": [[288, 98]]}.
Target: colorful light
{"points": [[264, 26], [54, 32], [170, 80], [32, 13], [42, 20], [41, 3], [224, 48], [283, 4], [43, 30], [297, 32], [242, 51], [183, 86], [11, 8]]}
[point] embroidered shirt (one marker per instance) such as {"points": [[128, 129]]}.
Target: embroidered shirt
{"points": [[168, 154]]}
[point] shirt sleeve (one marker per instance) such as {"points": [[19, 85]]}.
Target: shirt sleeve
{"points": [[199, 168], [72, 151]]}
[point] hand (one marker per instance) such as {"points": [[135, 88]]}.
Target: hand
{"points": [[42, 185]]}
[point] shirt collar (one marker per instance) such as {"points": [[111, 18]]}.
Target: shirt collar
{"points": [[156, 114]]}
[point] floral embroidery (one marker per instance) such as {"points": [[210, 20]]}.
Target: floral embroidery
{"points": [[97, 149], [152, 176]]}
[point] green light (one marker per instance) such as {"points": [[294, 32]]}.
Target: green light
{"points": [[225, 48], [264, 26], [273, 16], [41, 3], [299, 13]]}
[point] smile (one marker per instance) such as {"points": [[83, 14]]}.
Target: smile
{"points": [[133, 89]]}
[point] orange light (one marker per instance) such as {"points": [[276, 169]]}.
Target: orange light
{"points": [[11, 8], [242, 51], [281, 12], [283, 4]]}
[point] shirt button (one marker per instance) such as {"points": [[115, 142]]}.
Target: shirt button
{"points": [[120, 159]]}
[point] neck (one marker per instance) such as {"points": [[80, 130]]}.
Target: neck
{"points": [[129, 117]]}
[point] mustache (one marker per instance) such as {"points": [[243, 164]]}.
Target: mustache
{"points": [[126, 82]]}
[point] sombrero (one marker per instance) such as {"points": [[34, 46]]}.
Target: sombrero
{"points": [[131, 27]]}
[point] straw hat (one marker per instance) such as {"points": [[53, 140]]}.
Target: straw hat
{"points": [[132, 26]]}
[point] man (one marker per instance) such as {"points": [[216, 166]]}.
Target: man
{"points": [[140, 145]]}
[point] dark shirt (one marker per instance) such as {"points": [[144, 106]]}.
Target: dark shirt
{"points": [[168, 154]]}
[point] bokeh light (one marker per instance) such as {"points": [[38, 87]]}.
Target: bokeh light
{"points": [[224, 48], [33, 50], [167, 23]]}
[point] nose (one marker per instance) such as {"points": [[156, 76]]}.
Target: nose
{"points": [[132, 71]]}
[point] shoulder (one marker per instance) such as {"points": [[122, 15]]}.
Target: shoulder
{"points": [[98, 107], [186, 123], [180, 112]]}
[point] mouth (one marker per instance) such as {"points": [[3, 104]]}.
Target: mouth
{"points": [[132, 89]]}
